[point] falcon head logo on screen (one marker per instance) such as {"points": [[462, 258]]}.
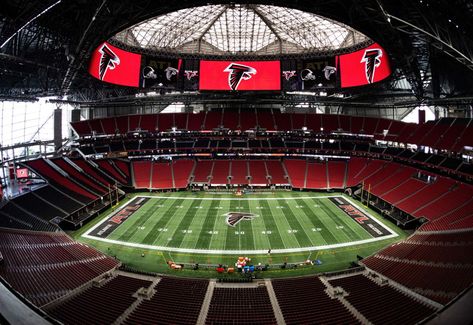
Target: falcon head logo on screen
{"points": [[108, 61], [372, 59], [329, 71], [189, 74], [170, 71], [237, 73], [233, 218], [289, 74]]}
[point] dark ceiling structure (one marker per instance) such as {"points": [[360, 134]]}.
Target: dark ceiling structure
{"points": [[45, 46]]}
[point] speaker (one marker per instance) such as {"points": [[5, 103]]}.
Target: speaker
{"points": [[57, 129], [75, 115]]}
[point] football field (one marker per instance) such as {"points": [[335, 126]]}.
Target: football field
{"points": [[206, 223]]}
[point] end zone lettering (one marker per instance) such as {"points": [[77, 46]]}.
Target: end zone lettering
{"points": [[124, 213], [351, 210], [364, 220], [119, 217]]}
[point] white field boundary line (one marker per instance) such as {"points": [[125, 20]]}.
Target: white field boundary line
{"points": [[236, 252]]}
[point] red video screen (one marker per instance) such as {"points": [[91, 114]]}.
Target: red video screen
{"points": [[21, 173], [240, 75], [364, 67], [116, 66]]}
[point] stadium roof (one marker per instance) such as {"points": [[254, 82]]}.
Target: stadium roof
{"points": [[241, 29]]}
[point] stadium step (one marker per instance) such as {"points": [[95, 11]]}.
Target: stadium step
{"points": [[327, 174], [192, 173], [204, 310], [139, 299], [31, 215], [286, 173], [47, 202], [412, 194], [345, 176], [429, 203], [330, 289], [172, 175], [305, 173], [117, 169], [274, 303], [210, 176], [151, 176]]}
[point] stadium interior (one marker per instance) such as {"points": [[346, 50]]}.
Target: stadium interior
{"points": [[332, 139]]}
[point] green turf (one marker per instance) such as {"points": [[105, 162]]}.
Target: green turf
{"points": [[200, 224], [288, 220]]}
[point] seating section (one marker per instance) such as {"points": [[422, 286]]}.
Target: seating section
{"points": [[359, 169], [117, 170], [276, 171], [176, 301], [35, 210], [59, 199], [82, 178], [447, 133], [161, 175], [72, 191], [45, 266], [420, 252], [122, 166], [439, 270], [101, 304], [426, 195], [446, 203], [13, 216], [442, 238], [240, 306], [450, 202], [203, 170], [142, 173], [66, 184], [336, 172], [37, 207], [381, 304], [257, 172], [221, 171], [95, 173], [296, 170], [181, 171], [316, 175], [304, 301], [239, 172]]}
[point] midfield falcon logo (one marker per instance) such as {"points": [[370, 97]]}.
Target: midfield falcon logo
{"points": [[237, 73], [372, 59], [233, 218], [108, 60]]}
